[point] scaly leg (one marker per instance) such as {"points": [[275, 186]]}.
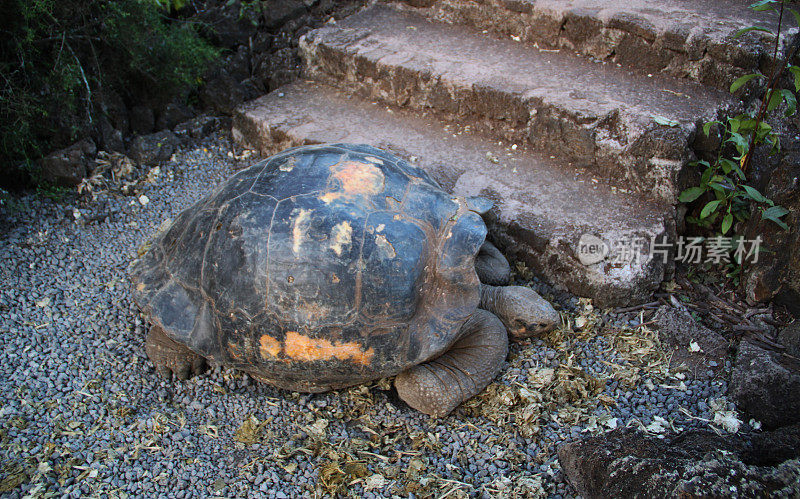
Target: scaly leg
{"points": [[170, 356], [436, 387]]}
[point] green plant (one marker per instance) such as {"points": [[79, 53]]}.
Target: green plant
{"points": [[58, 57], [723, 182]]}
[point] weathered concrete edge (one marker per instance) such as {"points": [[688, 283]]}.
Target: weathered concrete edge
{"points": [[551, 257], [625, 40], [649, 161]]}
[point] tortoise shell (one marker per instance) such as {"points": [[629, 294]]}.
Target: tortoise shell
{"points": [[318, 268]]}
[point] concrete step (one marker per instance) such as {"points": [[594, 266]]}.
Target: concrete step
{"points": [[683, 38], [598, 116], [542, 210]]}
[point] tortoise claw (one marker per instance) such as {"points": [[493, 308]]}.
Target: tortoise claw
{"points": [[184, 372], [171, 357]]}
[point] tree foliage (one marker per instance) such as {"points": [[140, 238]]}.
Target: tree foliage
{"points": [[58, 56]]}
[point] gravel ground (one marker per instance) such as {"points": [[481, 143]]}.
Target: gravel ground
{"points": [[85, 413]]}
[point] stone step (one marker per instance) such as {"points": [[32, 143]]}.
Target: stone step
{"points": [[683, 38], [598, 116], [542, 210]]}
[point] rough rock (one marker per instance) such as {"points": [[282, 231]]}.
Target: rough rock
{"points": [[155, 147], [683, 38], [591, 115], [109, 138], [233, 22], [172, 114], [678, 331], [789, 337], [776, 274], [222, 93], [629, 463], [67, 167], [196, 128], [142, 120], [540, 210], [281, 11], [277, 68], [113, 107], [766, 386], [237, 64]]}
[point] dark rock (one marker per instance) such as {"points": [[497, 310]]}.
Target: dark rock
{"points": [[766, 386], [155, 147], [196, 128], [278, 68], [277, 13], [677, 330], [232, 22], [114, 109], [790, 338], [776, 274], [222, 93], [110, 138], [171, 115], [238, 64], [629, 463], [142, 120], [68, 167], [773, 447]]}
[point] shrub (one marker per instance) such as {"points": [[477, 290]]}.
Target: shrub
{"points": [[57, 55]]}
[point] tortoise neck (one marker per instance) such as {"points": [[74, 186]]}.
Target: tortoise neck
{"points": [[489, 297]]}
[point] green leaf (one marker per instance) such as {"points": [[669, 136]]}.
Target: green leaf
{"points": [[791, 102], [748, 124], [762, 5], [796, 15], [736, 85], [734, 123], [691, 194], [728, 165], [707, 126], [775, 99], [704, 178], [775, 213], [701, 162], [742, 144], [726, 223], [796, 72], [662, 120], [753, 194], [719, 187], [710, 208], [751, 28]]}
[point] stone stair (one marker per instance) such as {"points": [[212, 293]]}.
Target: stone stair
{"points": [[571, 149], [682, 38], [596, 115]]}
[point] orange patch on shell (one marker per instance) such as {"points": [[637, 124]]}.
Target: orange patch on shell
{"points": [[303, 348], [357, 179], [269, 346]]}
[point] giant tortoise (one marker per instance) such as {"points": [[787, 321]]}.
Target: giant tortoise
{"points": [[331, 265]]}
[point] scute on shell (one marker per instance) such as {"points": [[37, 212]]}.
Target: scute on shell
{"points": [[318, 268]]}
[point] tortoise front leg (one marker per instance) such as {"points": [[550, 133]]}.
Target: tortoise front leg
{"points": [[436, 387], [170, 356], [491, 266]]}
